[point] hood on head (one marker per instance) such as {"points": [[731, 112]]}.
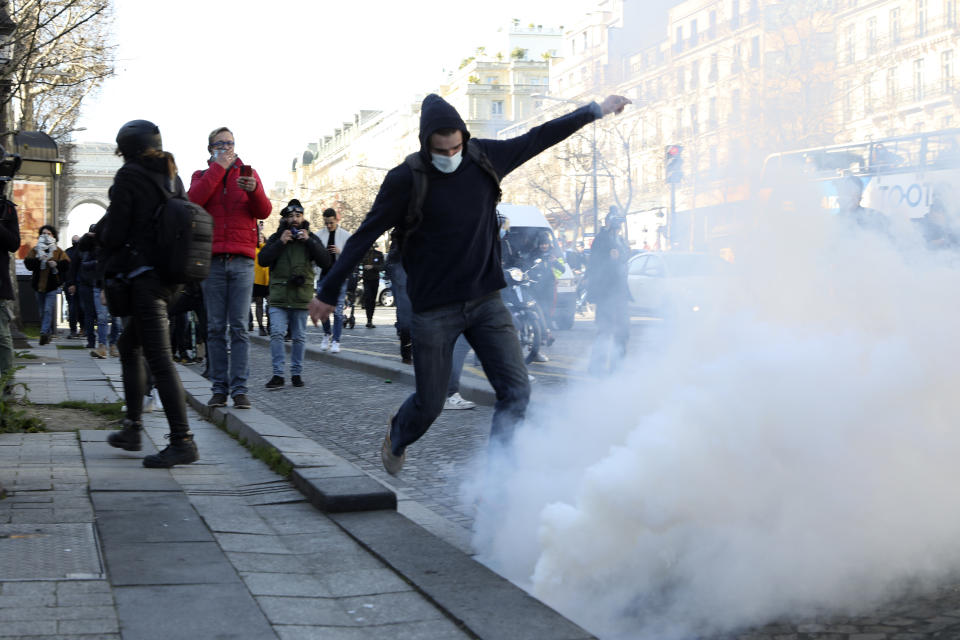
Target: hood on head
{"points": [[435, 114]]}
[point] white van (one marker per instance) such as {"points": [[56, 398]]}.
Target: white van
{"points": [[526, 222]]}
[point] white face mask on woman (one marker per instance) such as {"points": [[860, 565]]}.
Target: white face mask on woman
{"points": [[447, 164]]}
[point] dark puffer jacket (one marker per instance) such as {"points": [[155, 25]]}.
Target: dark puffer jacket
{"points": [[126, 231]]}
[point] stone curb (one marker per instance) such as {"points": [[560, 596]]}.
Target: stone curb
{"points": [[479, 392], [480, 601], [330, 483]]}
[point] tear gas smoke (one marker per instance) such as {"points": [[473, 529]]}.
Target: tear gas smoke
{"points": [[794, 454]]}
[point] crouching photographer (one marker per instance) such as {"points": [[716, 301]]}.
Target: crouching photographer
{"points": [[290, 254]]}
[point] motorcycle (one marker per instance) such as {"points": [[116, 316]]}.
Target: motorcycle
{"points": [[528, 318]]}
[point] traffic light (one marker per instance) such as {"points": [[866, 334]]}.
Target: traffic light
{"points": [[673, 161]]}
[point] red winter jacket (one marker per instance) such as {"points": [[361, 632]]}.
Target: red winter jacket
{"points": [[235, 212]]}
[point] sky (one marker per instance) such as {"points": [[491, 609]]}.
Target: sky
{"points": [[284, 73]]}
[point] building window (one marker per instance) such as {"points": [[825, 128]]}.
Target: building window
{"points": [[851, 45], [678, 44], [892, 86], [755, 52], [868, 94], [679, 124], [694, 120], [714, 67], [921, 26], [895, 25], [680, 87], [871, 35], [694, 74], [694, 36], [846, 100], [950, 12], [737, 57], [491, 80], [712, 33], [496, 109], [946, 70], [735, 106], [713, 113], [918, 79], [735, 14]]}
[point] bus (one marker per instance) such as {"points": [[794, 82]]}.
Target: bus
{"points": [[901, 175]]}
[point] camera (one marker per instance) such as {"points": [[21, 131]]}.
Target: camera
{"points": [[295, 233]]}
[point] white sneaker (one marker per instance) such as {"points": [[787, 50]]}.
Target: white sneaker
{"points": [[325, 343], [334, 347], [148, 403], [456, 402]]}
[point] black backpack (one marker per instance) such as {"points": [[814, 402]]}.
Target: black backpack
{"points": [[182, 237], [421, 184]]}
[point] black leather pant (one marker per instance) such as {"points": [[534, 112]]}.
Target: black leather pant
{"points": [[147, 333]]}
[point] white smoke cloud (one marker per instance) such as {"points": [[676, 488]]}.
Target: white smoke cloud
{"points": [[793, 455]]}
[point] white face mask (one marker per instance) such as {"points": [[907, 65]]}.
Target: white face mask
{"points": [[447, 164]]}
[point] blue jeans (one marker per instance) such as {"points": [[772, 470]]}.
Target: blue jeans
{"points": [[226, 294], [460, 350], [297, 319], [105, 321], [46, 307], [488, 327], [398, 283], [337, 314]]}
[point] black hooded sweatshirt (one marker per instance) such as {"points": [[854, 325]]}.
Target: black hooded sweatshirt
{"points": [[454, 254]]}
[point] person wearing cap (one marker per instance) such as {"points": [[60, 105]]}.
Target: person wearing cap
{"points": [[126, 237], [607, 288], [290, 254], [451, 254], [235, 201]]}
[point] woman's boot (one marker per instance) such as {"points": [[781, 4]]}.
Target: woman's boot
{"points": [[128, 438], [181, 450]]}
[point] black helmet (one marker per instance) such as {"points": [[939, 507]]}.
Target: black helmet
{"points": [[137, 136]]}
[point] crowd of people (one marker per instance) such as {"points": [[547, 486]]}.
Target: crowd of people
{"points": [[444, 264]]}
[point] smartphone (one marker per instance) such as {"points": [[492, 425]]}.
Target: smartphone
{"points": [[246, 171]]}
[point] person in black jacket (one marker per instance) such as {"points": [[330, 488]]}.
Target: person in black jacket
{"points": [[372, 266], [50, 266], [9, 241], [607, 288], [126, 236], [451, 254]]}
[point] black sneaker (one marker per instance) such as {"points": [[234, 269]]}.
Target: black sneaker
{"points": [[217, 400], [370, 325], [181, 450], [128, 438], [241, 401], [297, 381], [277, 381]]}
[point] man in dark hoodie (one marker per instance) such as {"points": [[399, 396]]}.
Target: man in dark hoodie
{"points": [[451, 254], [9, 241]]}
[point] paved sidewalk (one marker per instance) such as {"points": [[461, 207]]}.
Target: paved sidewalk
{"points": [[93, 545]]}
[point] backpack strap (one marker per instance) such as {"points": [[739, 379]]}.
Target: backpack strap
{"points": [[421, 184]]}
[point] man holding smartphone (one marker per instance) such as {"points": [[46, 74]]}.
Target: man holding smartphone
{"points": [[232, 194]]}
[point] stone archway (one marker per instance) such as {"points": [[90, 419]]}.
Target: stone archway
{"points": [[90, 168]]}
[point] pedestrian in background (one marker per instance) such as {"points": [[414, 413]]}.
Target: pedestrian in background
{"points": [[443, 199], [126, 237], [373, 264], [232, 194], [290, 254], [74, 313], [49, 264], [261, 284], [607, 288], [9, 241], [334, 238]]}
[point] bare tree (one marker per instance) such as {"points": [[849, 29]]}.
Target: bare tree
{"points": [[59, 54]]}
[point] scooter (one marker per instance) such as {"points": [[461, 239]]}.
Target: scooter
{"points": [[528, 318]]}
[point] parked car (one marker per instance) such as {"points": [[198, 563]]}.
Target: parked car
{"points": [[674, 282]]}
